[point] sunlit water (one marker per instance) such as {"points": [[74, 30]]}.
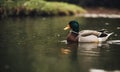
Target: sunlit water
{"points": [[38, 45]]}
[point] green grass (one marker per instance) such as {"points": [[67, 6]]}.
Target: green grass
{"points": [[40, 7], [54, 8]]}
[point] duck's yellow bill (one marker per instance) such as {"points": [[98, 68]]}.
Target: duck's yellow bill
{"points": [[67, 27]]}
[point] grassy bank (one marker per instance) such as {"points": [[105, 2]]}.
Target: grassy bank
{"points": [[38, 8]]}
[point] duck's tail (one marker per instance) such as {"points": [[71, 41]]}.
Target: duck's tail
{"points": [[102, 39], [109, 34]]}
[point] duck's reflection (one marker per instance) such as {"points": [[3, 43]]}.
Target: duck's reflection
{"points": [[85, 56], [71, 52], [70, 48], [85, 48], [88, 49], [77, 52]]}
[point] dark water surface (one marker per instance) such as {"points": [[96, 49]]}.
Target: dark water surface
{"points": [[34, 45]]}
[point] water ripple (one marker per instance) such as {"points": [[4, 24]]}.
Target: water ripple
{"points": [[117, 42]]}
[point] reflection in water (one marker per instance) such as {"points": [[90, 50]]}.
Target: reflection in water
{"points": [[117, 42], [82, 54], [84, 48], [92, 55], [71, 48], [92, 49], [71, 51]]}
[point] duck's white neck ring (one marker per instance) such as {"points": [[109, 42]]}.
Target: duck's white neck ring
{"points": [[74, 32]]}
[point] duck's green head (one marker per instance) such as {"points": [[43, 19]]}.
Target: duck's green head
{"points": [[73, 25]]}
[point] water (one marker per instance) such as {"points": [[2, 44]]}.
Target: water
{"points": [[37, 45]]}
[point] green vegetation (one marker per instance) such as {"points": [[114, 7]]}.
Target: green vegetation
{"points": [[37, 7]]}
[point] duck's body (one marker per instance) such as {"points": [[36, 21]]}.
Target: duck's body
{"points": [[85, 35], [92, 36]]}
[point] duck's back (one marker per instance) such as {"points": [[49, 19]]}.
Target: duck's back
{"points": [[86, 36], [90, 38]]}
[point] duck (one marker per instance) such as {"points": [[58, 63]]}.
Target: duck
{"points": [[75, 35]]}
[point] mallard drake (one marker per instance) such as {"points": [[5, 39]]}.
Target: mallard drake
{"points": [[85, 35]]}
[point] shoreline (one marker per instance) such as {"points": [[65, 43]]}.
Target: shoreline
{"points": [[101, 13], [98, 12], [101, 10]]}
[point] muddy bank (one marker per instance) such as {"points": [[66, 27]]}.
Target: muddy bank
{"points": [[101, 12]]}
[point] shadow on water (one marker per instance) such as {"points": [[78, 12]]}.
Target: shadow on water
{"points": [[33, 45]]}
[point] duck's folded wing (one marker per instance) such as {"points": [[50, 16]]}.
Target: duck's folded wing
{"points": [[89, 32]]}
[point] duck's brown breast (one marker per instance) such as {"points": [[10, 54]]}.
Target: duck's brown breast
{"points": [[72, 37]]}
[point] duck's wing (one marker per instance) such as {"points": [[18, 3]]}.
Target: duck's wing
{"points": [[89, 32]]}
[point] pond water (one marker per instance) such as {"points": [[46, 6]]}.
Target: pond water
{"points": [[37, 45]]}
